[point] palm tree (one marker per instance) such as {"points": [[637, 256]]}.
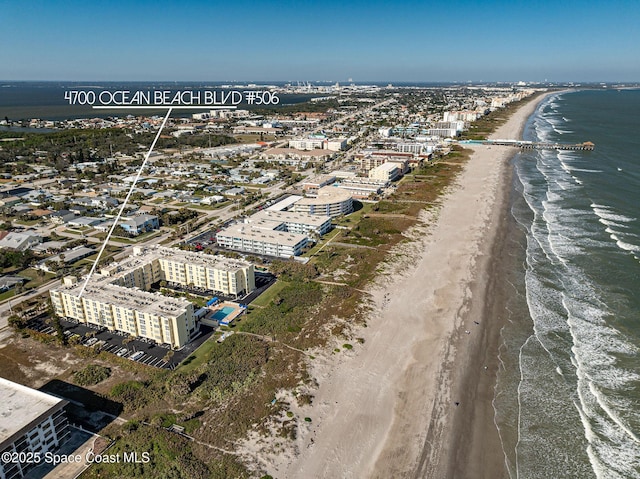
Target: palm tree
{"points": [[167, 357], [126, 341], [41, 274]]}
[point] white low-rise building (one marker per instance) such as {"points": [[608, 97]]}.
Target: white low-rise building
{"points": [[315, 182], [330, 201], [261, 240], [292, 222], [362, 187], [388, 171], [307, 143], [20, 241], [30, 422], [336, 144], [275, 232], [318, 143]]}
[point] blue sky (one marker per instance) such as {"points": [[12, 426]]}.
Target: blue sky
{"points": [[333, 40]]}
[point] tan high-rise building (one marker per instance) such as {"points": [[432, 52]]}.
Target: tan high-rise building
{"points": [[118, 297]]}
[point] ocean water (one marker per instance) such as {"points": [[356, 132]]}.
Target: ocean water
{"points": [[567, 399]]}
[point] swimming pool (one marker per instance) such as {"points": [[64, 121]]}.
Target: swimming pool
{"points": [[223, 313]]}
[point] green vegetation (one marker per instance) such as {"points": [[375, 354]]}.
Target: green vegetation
{"points": [[287, 313], [91, 374], [228, 386], [312, 107], [8, 294], [265, 298], [249, 138], [16, 259], [170, 456], [36, 277], [294, 271], [198, 357], [66, 147], [177, 217], [223, 370]]}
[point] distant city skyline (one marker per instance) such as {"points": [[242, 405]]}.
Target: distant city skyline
{"points": [[582, 41]]}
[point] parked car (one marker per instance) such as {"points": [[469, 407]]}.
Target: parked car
{"points": [[136, 356]]}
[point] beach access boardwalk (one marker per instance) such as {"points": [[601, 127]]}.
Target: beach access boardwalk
{"points": [[533, 145]]}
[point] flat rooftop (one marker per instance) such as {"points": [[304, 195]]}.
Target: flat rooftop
{"points": [[301, 153], [147, 254], [388, 167], [291, 217], [360, 186], [284, 204], [247, 232], [99, 289], [21, 408], [327, 195], [319, 180]]}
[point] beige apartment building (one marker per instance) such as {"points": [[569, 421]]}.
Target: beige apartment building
{"points": [[118, 297], [137, 313]]}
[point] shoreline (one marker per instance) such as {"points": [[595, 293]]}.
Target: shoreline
{"points": [[462, 440], [387, 408], [474, 435]]}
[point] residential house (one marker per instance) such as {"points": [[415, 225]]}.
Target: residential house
{"points": [[141, 224]]}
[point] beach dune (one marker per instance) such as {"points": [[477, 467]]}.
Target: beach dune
{"points": [[415, 399]]}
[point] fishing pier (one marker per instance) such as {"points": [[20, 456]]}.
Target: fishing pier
{"points": [[534, 145]]}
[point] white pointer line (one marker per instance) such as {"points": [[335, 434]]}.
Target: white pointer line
{"points": [[126, 200], [163, 107]]}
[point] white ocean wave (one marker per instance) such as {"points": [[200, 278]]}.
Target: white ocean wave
{"points": [[606, 213]]}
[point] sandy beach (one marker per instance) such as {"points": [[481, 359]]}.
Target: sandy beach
{"points": [[415, 399]]}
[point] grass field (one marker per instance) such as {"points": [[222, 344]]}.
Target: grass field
{"points": [[265, 298], [34, 279]]}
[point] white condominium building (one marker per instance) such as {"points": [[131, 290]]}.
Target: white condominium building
{"points": [[363, 187], [292, 222], [410, 147], [31, 422], [386, 172], [274, 233], [307, 144], [330, 201], [320, 143], [261, 239], [336, 144], [443, 132]]}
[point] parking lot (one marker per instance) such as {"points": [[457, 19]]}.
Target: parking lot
{"points": [[263, 281], [140, 349]]}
